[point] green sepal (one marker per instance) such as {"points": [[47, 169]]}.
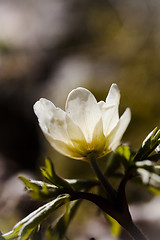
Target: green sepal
{"points": [[149, 145], [50, 175], [23, 229]]}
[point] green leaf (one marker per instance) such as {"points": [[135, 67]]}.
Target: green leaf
{"points": [[126, 154], [115, 226], [50, 175], [149, 145], [59, 231], [40, 190], [124, 151], [65, 221], [23, 229]]}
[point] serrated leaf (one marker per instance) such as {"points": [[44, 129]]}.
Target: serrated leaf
{"points": [[49, 173], [40, 190], [26, 226], [149, 145], [29, 184]]}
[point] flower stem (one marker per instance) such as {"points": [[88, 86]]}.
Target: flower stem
{"points": [[135, 233], [111, 193], [123, 218], [116, 204]]}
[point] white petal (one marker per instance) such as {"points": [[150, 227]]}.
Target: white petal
{"points": [[116, 134], [76, 136], [98, 141], [65, 149], [109, 109], [108, 113], [82, 108], [113, 97], [52, 120]]}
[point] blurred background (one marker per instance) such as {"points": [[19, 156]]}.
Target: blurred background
{"points": [[49, 47]]}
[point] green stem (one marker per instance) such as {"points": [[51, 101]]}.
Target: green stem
{"points": [[111, 193]]}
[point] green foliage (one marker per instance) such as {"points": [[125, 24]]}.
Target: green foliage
{"points": [[119, 161], [57, 191], [146, 165], [40, 190], [141, 163], [50, 175], [61, 227], [23, 229], [125, 154], [148, 145]]}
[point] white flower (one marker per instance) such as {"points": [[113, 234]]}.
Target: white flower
{"points": [[85, 126]]}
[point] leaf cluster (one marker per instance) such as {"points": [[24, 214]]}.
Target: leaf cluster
{"points": [[124, 164], [55, 190]]}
